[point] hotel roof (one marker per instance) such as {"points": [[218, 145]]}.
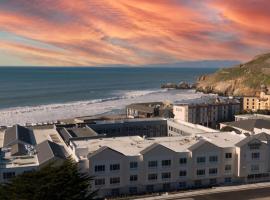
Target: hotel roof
{"points": [[249, 124], [136, 145]]}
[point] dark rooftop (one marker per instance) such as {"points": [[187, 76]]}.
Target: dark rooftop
{"points": [[48, 150], [250, 124], [17, 134]]}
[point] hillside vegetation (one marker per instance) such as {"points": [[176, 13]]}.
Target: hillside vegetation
{"points": [[240, 80]]}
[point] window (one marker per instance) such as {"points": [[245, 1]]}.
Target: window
{"points": [[228, 168], [228, 180], [152, 164], [183, 173], [166, 175], [182, 184], [254, 146], [200, 159], [166, 186], [198, 183], [200, 172], [166, 163], [152, 177], [114, 180], [133, 190], [212, 181], [255, 156], [115, 192], [228, 155], [149, 188], [8, 175], [213, 171], [99, 168], [254, 168], [115, 167], [133, 165], [100, 181], [133, 178], [213, 159], [183, 161]]}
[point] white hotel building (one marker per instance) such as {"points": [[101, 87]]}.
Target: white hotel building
{"points": [[132, 165]]}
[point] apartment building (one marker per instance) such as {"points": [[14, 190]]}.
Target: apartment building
{"points": [[132, 165], [24, 149], [260, 102], [209, 113], [150, 109]]}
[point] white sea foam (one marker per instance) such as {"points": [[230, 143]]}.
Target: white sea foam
{"points": [[53, 112]]}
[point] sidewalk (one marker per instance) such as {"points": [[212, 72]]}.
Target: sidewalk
{"points": [[223, 189]]}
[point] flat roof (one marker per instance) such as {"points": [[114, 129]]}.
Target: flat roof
{"points": [[133, 146]]}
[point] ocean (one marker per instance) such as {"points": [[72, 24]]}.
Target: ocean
{"points": [[44, 94]]}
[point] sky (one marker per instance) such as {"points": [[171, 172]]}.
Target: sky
{"points": [[131, 32]]}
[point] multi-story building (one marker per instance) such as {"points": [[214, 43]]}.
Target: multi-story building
{"points": [[25, 149], [151, 109], [209, 113], [132, 165], [255, 103]]}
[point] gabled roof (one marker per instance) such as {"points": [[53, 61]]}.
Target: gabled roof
{"points": [[197, 144], [16, 134], [250, 124], [153, 146], [48, 150], [102, 149], [259, 136]]}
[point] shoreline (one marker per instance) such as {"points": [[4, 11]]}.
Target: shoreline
{"points": [[55, 112]]}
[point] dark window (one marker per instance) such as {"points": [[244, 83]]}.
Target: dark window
{"points": [[115, 192], [228, 167], [213, 159], [152, 176], [228, 180], [166, 186], [212, 181], [213, 171], [255, 156], [182, 184], [152, 164], [200, 172], [115, 180], [149, 188], [198, 183], [228, 155], [166, 175], [115, 167], [183, 173], [100, 181], [99, 168], [133, 165], [200, 159], [183, 161], [166, 163], [133, 190], [8, 175], [133, 178]]}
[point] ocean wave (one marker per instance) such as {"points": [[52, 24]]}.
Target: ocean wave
{"points": [[52, 112]]}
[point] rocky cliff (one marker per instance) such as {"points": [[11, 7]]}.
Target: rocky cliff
{"points": [[240, 80]]}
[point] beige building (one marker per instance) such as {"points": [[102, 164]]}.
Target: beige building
{"points": [[132, 165], [208, 114], [261, 102]]}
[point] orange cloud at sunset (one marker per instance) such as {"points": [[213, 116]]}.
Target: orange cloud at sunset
{"points": [[133, 32]]}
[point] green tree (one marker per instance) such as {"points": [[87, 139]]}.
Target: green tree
{"points": [[56, 182]]}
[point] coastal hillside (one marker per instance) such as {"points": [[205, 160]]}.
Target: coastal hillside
{"points": [[240, 80]]}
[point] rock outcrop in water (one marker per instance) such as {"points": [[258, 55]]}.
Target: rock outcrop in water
{"points": [[240, 80], [182, 85]]}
